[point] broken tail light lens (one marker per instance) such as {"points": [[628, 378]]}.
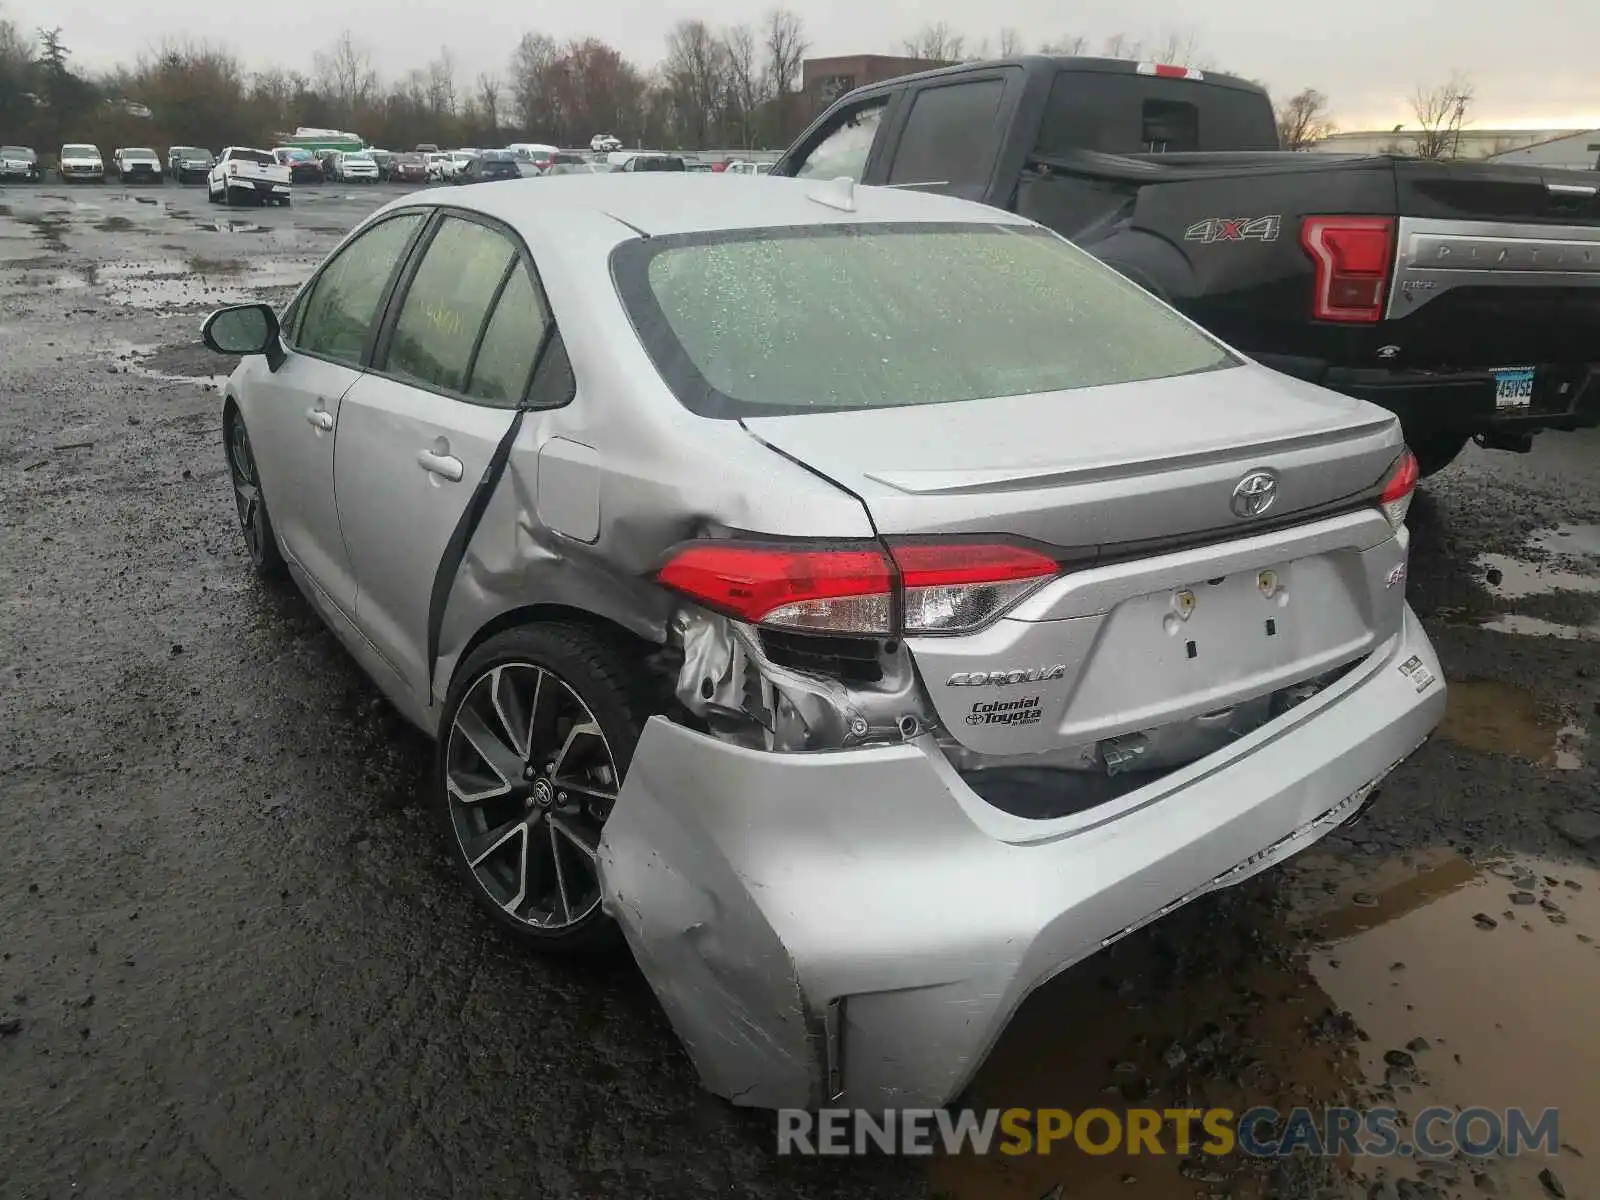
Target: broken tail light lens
{"points": [[1353, 256], [851, 589], [1398, 489]]}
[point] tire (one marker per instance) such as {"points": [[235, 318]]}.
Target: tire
{"points": [[521, 807], [255, 523], [1436, 451]]}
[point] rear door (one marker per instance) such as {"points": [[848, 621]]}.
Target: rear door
{"points": [[948, 133], [417, 433]]}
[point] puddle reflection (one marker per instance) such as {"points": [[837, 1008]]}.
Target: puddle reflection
{"points": [[1293, 992]]}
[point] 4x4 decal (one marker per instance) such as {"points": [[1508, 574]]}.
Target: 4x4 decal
{"points": [[1234, 229]]}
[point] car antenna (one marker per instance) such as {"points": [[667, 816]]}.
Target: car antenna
{"points": [[837, 193]]}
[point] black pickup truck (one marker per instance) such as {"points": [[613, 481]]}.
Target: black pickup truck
{"points": [[1464, 296]]}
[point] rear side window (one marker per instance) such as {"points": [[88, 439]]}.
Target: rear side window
{"points": [[342, 306], [876, 316], [445, 306], [948, 137], [1123, 113], [510, 343]]}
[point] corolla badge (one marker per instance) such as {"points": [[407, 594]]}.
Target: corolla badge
{"points": [[1001, 678], [1254, 494]]}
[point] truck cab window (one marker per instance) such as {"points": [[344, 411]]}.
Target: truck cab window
{"points": [[949, 136], [843, 150], [1170, 127]]}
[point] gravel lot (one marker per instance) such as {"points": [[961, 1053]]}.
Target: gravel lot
{"points": [[233, 963]]}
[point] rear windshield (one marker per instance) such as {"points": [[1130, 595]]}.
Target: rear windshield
{"points": [[773, 321], [255, 156], [1117, 113]]}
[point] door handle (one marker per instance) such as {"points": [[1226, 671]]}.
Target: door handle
{"points": [[321, 418], [446, 466]]}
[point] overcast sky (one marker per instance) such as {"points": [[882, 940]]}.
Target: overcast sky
{"points": [[1532, 63]]}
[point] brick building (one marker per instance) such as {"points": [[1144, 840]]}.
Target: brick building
{"points": [[824, 80]]}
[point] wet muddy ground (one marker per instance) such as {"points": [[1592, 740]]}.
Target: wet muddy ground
{"points": [[233, 963]]}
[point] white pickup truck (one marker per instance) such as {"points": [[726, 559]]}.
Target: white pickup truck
{"points": [[244, 174]]}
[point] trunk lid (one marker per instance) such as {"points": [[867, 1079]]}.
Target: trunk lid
{"points": [[1109, 467]]}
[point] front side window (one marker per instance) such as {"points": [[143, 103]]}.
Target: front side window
{"points": [[342, 306], [445, 306], [765, 322], [844, 149]]}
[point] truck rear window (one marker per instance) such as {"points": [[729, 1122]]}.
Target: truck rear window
{"points": [[1123, 113], [816, 318], [255, 156]]}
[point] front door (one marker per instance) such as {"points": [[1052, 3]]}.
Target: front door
{"points": [[295, 410], [417, 433]]}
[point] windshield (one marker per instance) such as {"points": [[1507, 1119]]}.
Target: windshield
{"points": [[770, 321], [16, 151], [358, 158], [79, 152], [138, 153]]}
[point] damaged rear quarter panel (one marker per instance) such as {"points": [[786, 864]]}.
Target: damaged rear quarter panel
{"points": [[661, 475]]}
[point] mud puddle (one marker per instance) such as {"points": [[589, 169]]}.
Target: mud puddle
{"points": [[165, 284], [1476, 985], [1498, 718], [1550, 590], [1304, 990], [174, 365]]}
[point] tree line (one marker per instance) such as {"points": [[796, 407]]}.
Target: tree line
{"points": [[728, 87]]}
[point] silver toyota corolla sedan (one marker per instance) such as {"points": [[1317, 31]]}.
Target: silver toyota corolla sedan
{"points": [[865, 600]]}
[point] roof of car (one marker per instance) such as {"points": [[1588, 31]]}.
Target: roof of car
{"points": [[680, 202]]}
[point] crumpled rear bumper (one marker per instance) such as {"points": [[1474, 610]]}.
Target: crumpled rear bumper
{"points": [[860, 926]]}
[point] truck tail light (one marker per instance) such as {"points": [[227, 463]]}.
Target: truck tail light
{"points": [[855, 588], [1398, 490], [233, 168], [1353, 258], [1169, 71]]}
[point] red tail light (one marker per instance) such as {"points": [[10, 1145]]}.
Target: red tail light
{"points": [[1399, 488], [1353, 257], [845, 589], [1169, 71]]}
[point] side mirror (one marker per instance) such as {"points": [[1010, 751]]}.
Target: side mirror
{"points": [[244, 329]]}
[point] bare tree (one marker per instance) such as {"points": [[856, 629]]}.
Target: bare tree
{"points": [[1066, 44], [345, 75], [1010, 43], [532, 76], [1303, 120], [1440, 112], [696, 69], [1181, 47], [745, 84], [784, 46], [442, 83], [1120, 45], [487, 100], [936, 43]]}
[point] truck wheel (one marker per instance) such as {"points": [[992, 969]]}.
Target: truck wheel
{"points": [[1436, 451]]}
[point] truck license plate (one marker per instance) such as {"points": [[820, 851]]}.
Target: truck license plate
{"points": [[1513, 388]]}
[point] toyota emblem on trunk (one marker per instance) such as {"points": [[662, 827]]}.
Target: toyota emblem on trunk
{"points": [[1254, 494]]}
